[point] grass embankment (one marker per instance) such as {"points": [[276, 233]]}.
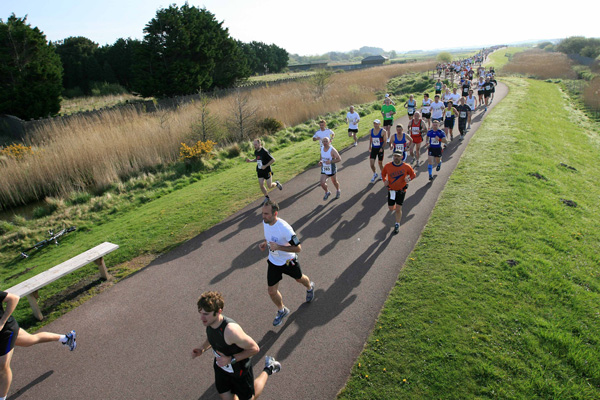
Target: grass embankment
{"points": [[140, 215], [500, 298], [501, 57]]}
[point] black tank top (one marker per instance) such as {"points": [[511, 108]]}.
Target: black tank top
{"points": [[216, 338]]}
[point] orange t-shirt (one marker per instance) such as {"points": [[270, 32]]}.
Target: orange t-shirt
{"points": [[396, 175]]}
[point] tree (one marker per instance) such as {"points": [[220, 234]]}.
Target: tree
{"points": [[30, 71], [321, 81], [242, 124], [81, 67], [444, 57], [186, 49], [263, 58]]}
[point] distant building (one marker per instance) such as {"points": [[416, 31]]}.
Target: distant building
{"points": [[306, 67], [374, 60]]}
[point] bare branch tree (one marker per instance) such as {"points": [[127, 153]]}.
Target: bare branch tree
{"points": [[242, 125]]}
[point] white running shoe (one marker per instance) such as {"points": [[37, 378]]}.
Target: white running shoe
{"points": [[374, 177]]}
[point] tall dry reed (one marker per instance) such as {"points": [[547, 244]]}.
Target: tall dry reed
{"points": [[93, 151], [591, 95], [541, 64]]}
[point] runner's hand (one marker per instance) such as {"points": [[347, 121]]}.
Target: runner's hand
{"points": [[274, 246], [197, 352], [262, 246], [223, 360]]}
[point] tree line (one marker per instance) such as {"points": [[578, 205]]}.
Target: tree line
{"points": [[184, 50], [585, 47]]}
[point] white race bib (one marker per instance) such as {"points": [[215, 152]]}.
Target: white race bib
{"points": [[388, 115], [326, 168], [463, 114], [411, 110], [435, 140], [226, 368], [259, 164], [392, 195], [400, 147], [448, 114], [376, 142]]}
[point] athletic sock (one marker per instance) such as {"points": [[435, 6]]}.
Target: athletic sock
{"points": [[63, 339], [269, 371], [440, 164], [430, 169]]}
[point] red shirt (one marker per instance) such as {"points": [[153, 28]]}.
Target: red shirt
{"points": [[396, 175]]}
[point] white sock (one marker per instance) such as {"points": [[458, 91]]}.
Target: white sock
{"points": [[63, 339], [279, 310], [3, 398]]}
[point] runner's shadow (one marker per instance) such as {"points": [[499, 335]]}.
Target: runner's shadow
{"points": [[330, 303], [31, 384], [245, 259]]}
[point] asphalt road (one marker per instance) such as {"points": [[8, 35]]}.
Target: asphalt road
{"points": [[135, 339]]}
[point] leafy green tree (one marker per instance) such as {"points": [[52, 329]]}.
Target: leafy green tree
{"points": [[444, 57], [120, 56], [81, 67], [186, 49], [263, 58], [30, 71]]}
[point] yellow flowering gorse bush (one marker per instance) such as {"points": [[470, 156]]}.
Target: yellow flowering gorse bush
{"points": [[197, 151], [16, 151]]}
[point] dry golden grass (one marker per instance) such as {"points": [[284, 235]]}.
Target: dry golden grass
{"points": [[93, 151], [591, 94], [78, 104], [541, 64]]}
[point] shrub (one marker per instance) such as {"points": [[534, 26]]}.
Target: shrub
{"points": [[333, 123], [79, 198], [197, 151], [376, 107], [270, 125], [5, 227], [16, 151]]}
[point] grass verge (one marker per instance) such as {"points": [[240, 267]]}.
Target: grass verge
{"points": [[500, 298], [501, 57]]}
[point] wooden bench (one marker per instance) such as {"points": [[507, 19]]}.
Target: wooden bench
{"points": [[30, 287]]}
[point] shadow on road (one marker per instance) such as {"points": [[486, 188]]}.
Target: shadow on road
{"points": [[31, 384]]}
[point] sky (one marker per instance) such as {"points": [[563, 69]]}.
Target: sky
{"points": [[311, 27]]}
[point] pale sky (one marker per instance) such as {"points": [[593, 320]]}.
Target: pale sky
{"points": [[310, 27]]}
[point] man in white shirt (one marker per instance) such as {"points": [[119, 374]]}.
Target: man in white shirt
{"points": [[283, 245], [352, 118], [437, 109], [323, 132], [454, 96]]}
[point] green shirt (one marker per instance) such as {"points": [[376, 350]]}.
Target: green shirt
{"points": [[385, 109]]}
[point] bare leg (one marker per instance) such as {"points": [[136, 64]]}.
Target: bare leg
{"points": [[335, 182], [372, 163], [324, 182], [380, 166], [304, 281], [259, 384], [398, 213], [25, 339], [261, 183], [276, 296], [5, 373]]}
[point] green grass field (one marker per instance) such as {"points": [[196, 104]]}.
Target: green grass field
{"points": [[501, 297], [501, 57]]}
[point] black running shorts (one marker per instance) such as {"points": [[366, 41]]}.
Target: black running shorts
{"points": [[275, 272], [240, 382]]}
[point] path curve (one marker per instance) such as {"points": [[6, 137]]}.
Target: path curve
{"points": [[135, 339]]}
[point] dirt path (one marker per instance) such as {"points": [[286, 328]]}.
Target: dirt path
{"points": [[136, 338]]}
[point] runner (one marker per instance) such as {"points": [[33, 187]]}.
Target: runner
{"points": [[417, 129], [323, 132], [352, 118], [438, 86], [11, 335], [388, 111], [376, 140], [495, 83], [464, 112], [465, 88], [446, 98], [454, 96], [400, 142], [396, 175], [450, 114], [329, 157], [487, 91], [411, 106], [426, 109], [472, 103], [233, 350], [437, 109], [435, 139], [283, 245], [264, 160], [481, 90]]}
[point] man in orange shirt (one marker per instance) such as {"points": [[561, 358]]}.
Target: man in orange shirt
{"points": [[395, 176]]}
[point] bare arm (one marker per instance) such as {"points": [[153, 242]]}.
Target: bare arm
{"points": [[11, 301], [200, 350], [234, 334]]}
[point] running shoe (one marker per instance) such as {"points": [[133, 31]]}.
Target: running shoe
{"points": [[438, 167], [326, 195], [396, 227], [272, 365], [310, 294], [71, 340], [374, 177], [279, 186], [430, 178], [265, 201], [355, 144], [485, 109], [338, 194], [280, 316]]}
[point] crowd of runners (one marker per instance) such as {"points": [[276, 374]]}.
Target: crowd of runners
{"points": [[430, 129]]}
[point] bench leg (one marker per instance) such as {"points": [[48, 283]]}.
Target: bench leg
{"points": [[32, 298], [102, 268]]}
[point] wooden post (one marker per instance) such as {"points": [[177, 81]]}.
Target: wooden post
{"points": [[102, 268], [32, 298]]}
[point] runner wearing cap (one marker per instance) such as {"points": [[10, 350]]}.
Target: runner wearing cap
{"points": [[396, 175]]}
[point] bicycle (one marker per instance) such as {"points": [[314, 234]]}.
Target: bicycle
{"points": [[52, 239]]}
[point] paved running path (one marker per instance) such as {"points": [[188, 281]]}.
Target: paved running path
{"points": [[135, 339]]}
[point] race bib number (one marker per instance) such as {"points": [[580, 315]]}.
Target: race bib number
{"points": [[463, 114], [400, 147], [388, 115], [376, 142], [392, 195], [416, 130], [411, 110], [226, 368], [259, 164], [435, 140], [326, 168], [448, 114]]}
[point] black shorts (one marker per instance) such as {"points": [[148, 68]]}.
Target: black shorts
{"points": [[400, 194], [240, 382], [411, 113], [480, 92], [350, 130], [376, 152], [487, 94], [435, 151], [462, 125], [275, 272], [449, 123], [8, 337], [264, 173], [438, 91], [426, 115], [388, 122]]}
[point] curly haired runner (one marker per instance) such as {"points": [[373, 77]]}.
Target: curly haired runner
{"points": [[233, 350], [11, 335]]}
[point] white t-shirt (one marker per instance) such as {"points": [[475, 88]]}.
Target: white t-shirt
{"points": [[353, 119], [281, 233], [321, 134], [437, 109], [455, 97]]}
